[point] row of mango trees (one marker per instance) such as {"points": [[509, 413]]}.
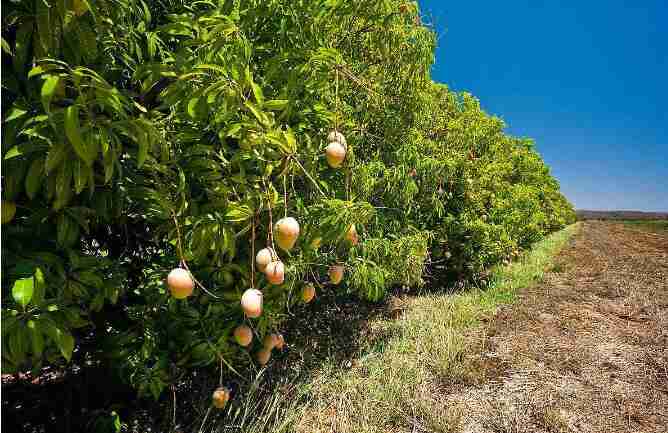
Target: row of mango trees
{"points": [[177, 175]]}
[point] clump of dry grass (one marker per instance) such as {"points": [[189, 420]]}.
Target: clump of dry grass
{"points": [[527, 414]]}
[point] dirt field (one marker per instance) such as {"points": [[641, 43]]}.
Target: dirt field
{"points": [[584, 351]]}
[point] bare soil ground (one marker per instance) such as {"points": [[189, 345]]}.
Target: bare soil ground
{"points": [[584, 351]]}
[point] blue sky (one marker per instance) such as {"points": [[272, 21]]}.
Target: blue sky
{"points": [[588, 80]]}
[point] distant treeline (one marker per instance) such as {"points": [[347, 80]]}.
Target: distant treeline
{"points": [[619, 215]]}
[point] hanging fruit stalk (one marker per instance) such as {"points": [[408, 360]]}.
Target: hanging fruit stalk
{"points": [[180, 280]]}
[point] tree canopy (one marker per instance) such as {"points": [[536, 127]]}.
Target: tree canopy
{"points": [[142, 136]]}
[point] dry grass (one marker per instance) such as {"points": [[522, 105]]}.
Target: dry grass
{"points": [[399, 383], [586, 350]]}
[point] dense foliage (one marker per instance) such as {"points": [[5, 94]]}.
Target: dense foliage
{"points": [[139, 136]]}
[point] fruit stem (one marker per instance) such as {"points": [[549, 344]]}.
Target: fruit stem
{"points": [[315, 278], [285, 196], [270, 231], [183, 263], [336, 101], [252, 257], [308, 176], [220, 381], [220, 356], [205, 418], [346, 72], [173, 406], [200, 285], [179, 250]]}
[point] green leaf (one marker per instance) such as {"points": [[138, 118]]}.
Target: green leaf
{"points": [[38, 291], [63, 185], [65, 343], [232, 130], [5, 47], [24, 149], [68, 231], [83, 6], [74, 319], [48, 90], [13, 152], [22, 291], [257, 92], [87, 41], [43, 20], [18, 344], [13, 172], [215, 68], [140, 107], [117, 422], [34, 177], [276, 104], [192, 107], [143, 145], [36, 338], [91, 278], [37, 70], [21, 48], [15, 113], [238, 213], [81, 216], [73, 132], [290, 141], [63, 339], [80, 173], [109, 160], [156, 388], [197, 107], [248, 76], [8, 322], [259, 115], [55, 156]]}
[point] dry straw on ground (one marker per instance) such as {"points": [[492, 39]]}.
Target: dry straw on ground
{"points": [[583, 348], [586, 350]]}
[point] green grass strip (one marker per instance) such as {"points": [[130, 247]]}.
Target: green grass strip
{"points": [[398, 381], [658, 226]]}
